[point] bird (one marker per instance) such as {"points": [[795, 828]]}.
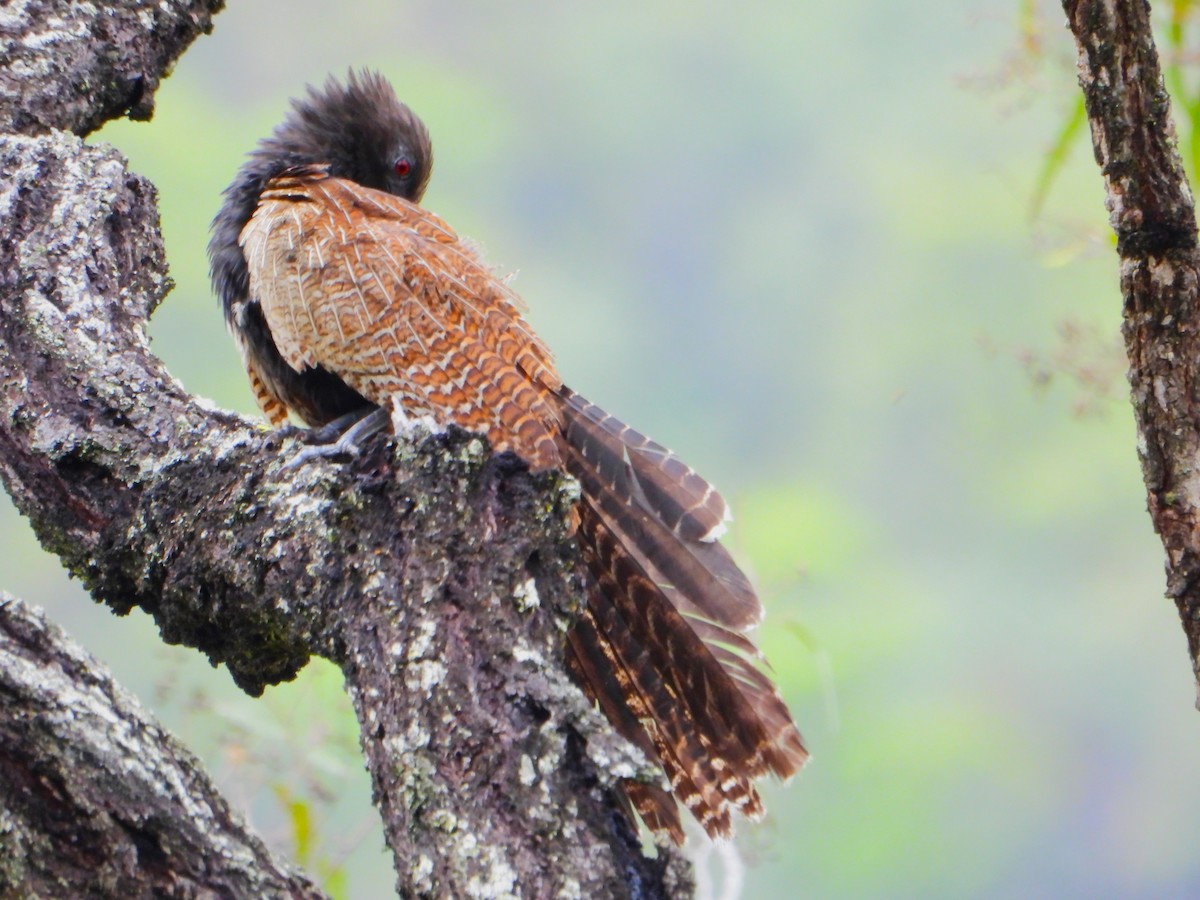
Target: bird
{"points": [[354, 307]]}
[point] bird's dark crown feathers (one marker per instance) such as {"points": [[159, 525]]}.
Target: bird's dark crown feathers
{"points": [[357, 127]]}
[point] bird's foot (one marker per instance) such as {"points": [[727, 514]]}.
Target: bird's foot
{"points": [[341, 437]]}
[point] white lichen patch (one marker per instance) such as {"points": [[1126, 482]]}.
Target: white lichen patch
{"points": [[527, 773], [498, 879], [12, 16], [301, 505], [425, 675], [376, 582], [526, 597], [1162, 273], [1160, 392], [473, 451], [227, 442], [615, 756], [422, 642], [1189, 486], [570, 489], [405, 743], [443, 820], [417, 737], [420, 873], [58, 30], [523, 653], [549, 763], [429, 589], [414, 427]]}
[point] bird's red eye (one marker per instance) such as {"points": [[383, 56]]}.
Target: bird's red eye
{"points": [[402, 166]]}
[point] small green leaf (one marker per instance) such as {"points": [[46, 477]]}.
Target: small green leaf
{"points": [[301, 818], [334, 882], [1057, 157]]}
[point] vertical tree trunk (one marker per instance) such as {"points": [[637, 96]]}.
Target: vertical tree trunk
{"points": [[1153, 214]]}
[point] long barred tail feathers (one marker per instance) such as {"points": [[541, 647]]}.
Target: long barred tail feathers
{"points": [[637, 472], [662, 645]]}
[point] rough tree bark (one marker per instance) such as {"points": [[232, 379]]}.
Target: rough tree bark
{"points": [[440, 579], [68, 735], [1153, 214]]}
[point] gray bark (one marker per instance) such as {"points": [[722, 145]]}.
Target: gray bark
{"points": [[96, 800], [1153, 214], [75, 65], [439, 578]]}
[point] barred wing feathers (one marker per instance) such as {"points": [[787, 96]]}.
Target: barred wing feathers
{"points": [[383, 295]]}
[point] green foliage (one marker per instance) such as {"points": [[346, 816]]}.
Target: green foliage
{"points": [[300, 815], [308, 851], [1179, 74], [1056, 156]]}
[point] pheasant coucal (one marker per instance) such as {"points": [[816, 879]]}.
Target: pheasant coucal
{"points": [[348, 300]]}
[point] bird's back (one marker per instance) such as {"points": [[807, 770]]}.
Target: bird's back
{"points": [[384, 293]]}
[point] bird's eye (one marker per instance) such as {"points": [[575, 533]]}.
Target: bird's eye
{"points": [[402, 167]]}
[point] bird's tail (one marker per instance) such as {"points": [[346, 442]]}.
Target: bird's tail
{"points": [[662, 644]]}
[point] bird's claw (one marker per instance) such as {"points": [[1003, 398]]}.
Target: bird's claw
{"points": [[342, 437]]}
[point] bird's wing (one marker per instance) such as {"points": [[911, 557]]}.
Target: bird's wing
{"points": [[384, 295]]}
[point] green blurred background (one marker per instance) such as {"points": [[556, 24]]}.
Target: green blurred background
{"points": [[793, 241]]}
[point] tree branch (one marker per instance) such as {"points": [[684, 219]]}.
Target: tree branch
{"points": [[439, 579], [1153, 214], [74, 66], [67, 736]]}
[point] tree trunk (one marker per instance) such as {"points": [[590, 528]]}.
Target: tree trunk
{"points": [[439, 578], [1152, 212]]}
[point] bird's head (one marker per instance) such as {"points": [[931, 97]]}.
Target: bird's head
{"points": [[357, 128], [360, 130]]}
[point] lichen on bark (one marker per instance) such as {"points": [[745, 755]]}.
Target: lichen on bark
{"points": [[412, 567]]}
